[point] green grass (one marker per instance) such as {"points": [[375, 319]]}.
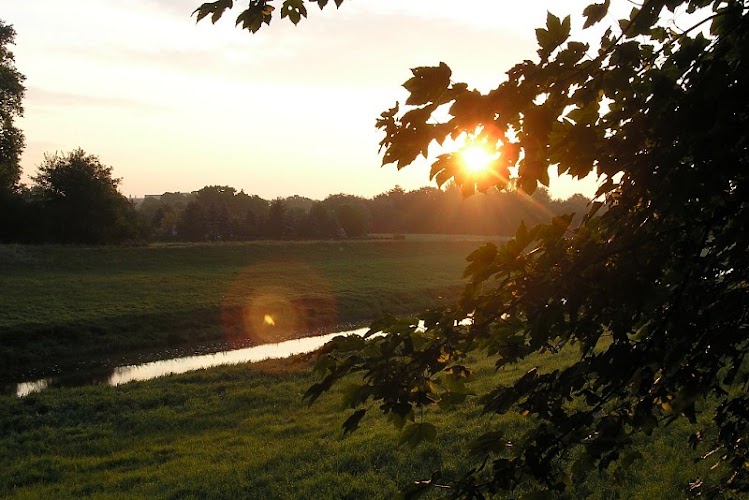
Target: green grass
{"points": [[478, 238], [65, 303], [243, 432]]}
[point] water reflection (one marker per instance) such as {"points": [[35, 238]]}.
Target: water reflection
{"points": [[147, 371], [26, 388]]}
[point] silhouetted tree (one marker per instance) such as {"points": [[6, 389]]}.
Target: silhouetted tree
{"points": [[320, 223], [299, 202], [192, 225], [250, 227], [13, 205], [81, 201], [11, 107], [652, 292], [351, 213], [164, 222], [275, 225], [248, 214], [352, 220]]}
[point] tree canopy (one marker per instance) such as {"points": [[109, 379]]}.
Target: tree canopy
{"points": [[11, 107], [651, 291], [81, 200], [222, 213]]}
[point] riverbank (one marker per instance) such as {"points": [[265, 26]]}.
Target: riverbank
{"points": [[244, 432], [171, 365], [64, 306]]}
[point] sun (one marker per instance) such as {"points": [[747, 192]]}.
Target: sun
{"points": [[476, 159]]}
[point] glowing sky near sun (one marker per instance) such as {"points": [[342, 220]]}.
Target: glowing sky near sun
{"points": [[175, 106]]}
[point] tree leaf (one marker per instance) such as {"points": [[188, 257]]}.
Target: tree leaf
{"points": [[294, 10], [427, 84], [595, 12]]}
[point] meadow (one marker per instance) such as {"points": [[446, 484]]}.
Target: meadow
{"points": [[244, 432], [66, 304]]}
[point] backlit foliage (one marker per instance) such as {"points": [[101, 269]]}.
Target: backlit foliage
{"points": [[11, 107], [652, 290]]}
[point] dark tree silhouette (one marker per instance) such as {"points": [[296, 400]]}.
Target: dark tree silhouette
{"points": [[225, 214], [276, 223], [192, 225], [14, 209], [81, 201], [320, 223], [11, 107], [652, 292]]}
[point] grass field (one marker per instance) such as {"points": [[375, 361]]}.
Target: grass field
{"points": [[62, 304], [243, 432]]}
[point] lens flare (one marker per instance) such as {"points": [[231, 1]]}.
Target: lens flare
{"points": [[276, 300]]}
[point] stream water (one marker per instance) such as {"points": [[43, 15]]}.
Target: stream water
{"points": [[154, 369]]}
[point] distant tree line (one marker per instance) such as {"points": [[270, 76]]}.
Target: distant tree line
{"points": [[220, 213], [75, 199], [431, 210]]}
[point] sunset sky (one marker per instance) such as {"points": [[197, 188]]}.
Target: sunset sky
{"points": [[173, 105]]}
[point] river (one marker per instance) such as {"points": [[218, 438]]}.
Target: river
{"points": [[154, 369]]}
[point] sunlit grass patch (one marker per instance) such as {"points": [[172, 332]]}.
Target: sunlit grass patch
{"points": [[245, 431]]}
